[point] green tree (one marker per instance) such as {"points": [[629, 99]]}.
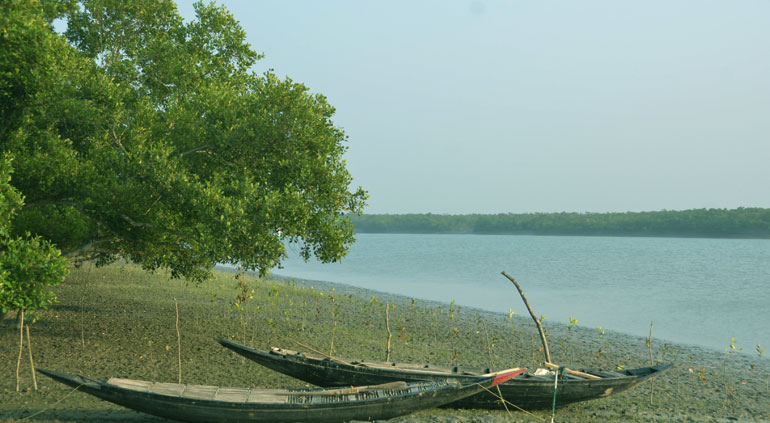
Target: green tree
{"points": [[10, 198], [29, 266], [10, 203], [143, 137]]}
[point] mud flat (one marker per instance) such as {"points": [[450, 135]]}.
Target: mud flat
{"points": [[120, 321]]}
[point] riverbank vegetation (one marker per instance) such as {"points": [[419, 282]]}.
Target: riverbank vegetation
{"points": [[706, 223], [136, 135], [121, 321]]}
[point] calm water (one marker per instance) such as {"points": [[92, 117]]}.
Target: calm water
{"points": [[696, 291]]}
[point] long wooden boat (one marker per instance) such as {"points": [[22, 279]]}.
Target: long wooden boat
{"points": [[528, 391], [212, 404]]}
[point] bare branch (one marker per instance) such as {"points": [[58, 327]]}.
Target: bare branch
{"points": [[117, 141]]}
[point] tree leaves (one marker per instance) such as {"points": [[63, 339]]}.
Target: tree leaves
{"points": [[28, 265], [148, 138]]}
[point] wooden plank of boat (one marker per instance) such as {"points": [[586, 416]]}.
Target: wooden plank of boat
{"points": [[204, 403], [528, 391], [572, 372]]}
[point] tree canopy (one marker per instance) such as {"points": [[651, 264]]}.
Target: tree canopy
{"points": [[715, 223], [137, 135]]}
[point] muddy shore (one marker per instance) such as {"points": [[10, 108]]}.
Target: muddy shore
{"points": [[120, 321]]}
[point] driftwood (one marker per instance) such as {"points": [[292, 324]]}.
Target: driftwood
{"points": [[532, 313]]}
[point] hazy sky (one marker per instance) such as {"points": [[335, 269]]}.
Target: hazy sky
{"points": [[527, 106]]}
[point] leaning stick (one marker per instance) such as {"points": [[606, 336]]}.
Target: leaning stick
{"points": [[532, 313], [178, 340], [390, 335], [652, 363], [31, 362], [21, 346]]}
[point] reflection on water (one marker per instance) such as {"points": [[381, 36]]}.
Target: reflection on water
{"points": [[697, 291]]}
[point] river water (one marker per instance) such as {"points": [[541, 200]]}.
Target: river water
{"points": [[695, 291]]}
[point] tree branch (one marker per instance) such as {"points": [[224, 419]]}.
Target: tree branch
{"points": [[117, 141], [122, 216], [40, 203], [204, 148], [19, 109], [85, 252], [136, 224]]}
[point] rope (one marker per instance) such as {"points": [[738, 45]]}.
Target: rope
{"points": [[325, 355], [53, 405], [505, 401], [504, 404], [555, 384]]}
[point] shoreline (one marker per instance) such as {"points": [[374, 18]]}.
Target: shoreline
{"points": [[623, 284], [366, 292], [119, 321]]}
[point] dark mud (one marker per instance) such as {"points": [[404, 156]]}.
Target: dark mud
{"points": [[119, 321]]}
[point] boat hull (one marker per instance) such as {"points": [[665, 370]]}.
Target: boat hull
{"points": [[527, 391], [302, 406]]}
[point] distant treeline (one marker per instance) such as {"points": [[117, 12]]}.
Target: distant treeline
{"points": [[710, 223]]}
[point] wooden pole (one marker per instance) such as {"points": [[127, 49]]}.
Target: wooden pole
{"points": [[652, 384], [390, 335], [21, 345], [178, 340], [31, 362], [489, 346], [532, 313], [334, 316]]}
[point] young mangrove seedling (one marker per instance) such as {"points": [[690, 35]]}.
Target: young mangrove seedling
{"points": [[760, 350], [599, 340], [511, 321], [730, 350], [572, 323], [455, 332]]}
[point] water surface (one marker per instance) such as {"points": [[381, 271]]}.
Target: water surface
{"points": [[696, 291]]}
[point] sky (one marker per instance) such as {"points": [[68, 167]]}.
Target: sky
{"points": [[469, 106]]}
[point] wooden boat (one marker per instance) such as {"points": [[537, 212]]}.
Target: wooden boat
{"points": [[528, 391], [200, 403]]}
